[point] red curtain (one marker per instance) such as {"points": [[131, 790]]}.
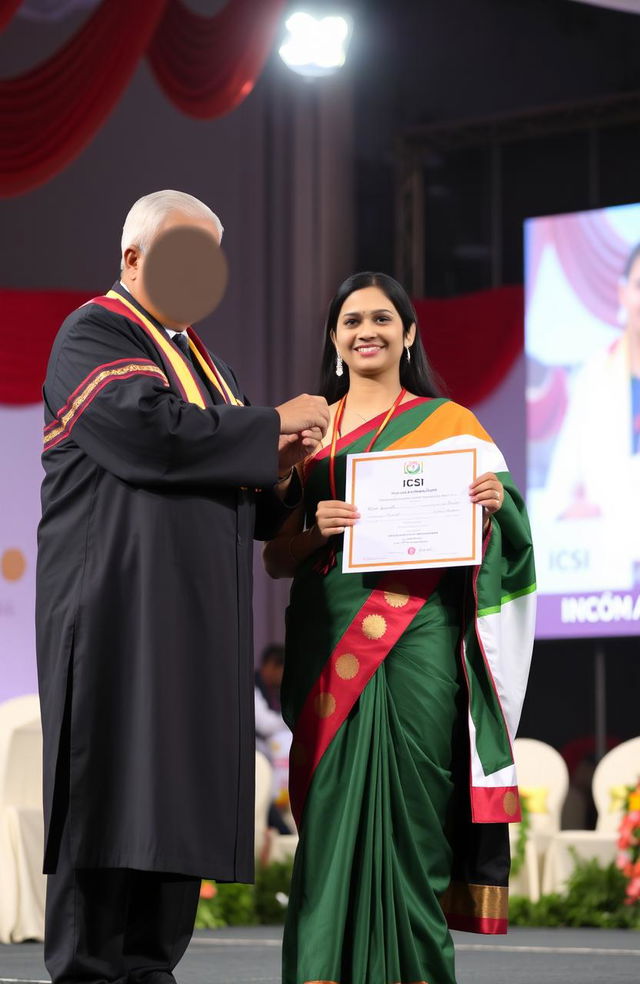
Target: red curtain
{"points": [[30, 321], [206, 65], [472, 341], [7, 10], [48, 115]]}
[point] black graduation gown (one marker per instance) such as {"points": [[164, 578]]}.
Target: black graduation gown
{"points": [[143, 608]]}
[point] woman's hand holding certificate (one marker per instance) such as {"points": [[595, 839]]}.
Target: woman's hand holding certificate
{"points": [[418, 509], [488, 491], [334, 516]]}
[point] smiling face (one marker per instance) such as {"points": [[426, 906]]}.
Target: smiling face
{"points": [[369, 333]]}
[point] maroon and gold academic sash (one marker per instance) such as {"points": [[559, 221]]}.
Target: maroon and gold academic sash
{"points": [[183, 374]]}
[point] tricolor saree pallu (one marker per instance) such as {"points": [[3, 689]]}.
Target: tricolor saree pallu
{"points": [[403, 691]]}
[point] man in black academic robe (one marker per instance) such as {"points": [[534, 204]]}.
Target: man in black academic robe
{"points": [[144, 635]]}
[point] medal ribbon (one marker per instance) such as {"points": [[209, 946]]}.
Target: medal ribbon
{"points": [[337, 421], [327, 559]]}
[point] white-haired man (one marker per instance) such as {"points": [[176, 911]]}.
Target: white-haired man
{"points": [[151, 459]]}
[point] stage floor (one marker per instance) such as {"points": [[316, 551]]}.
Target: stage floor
{"points": [[525, 956]]}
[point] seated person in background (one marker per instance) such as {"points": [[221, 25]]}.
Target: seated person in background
{"points": [[269, 674], [269, 722]]}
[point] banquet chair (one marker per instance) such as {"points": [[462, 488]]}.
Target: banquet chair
{"points": [[618, 769], [270, 844], [283, 846], [22, 884], [543, 781], [264, 774]]}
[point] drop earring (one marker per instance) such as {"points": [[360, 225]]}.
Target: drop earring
{"points": [[339, 369], [408, 351]]}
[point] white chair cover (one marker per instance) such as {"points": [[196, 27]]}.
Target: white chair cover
{"points": [[543, 774], [619, 767], [264, 779], [22, 885]]}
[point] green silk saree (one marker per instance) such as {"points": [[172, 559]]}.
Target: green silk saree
{"points": [[403, 691]]}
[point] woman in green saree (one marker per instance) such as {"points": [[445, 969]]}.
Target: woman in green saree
{"points": [[403, 689]]}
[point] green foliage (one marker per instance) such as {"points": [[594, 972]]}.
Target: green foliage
{"points": [[595, 896], [246, 905], [271, 880], [238, 904], [209, 915], [548, 911], [517, 858]]}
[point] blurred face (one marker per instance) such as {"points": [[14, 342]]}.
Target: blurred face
{"points": [[369, 333], [272, 673], [629, 296], [134, 259]]}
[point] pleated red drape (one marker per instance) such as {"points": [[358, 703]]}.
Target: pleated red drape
{"points": [[206, 66], [7, 10], [473, 341], [49, 114]]}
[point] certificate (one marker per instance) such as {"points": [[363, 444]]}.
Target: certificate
{"points": [[414, 510]]}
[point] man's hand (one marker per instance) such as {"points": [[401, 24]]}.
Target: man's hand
{"points": [[304, 413], [293, 448]]}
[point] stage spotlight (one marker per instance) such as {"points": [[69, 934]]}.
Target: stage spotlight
{"points": [[315, 46]]}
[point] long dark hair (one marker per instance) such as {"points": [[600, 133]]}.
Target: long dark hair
{"points": [[416, 376]]}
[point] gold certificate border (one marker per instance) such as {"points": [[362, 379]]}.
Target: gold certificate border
{"points": [[401, 564]]}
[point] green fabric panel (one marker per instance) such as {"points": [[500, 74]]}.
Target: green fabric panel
{"points": [[374, 855], [508, 568]]}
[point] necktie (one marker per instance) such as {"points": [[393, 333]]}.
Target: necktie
{"points": [[182, 341]]}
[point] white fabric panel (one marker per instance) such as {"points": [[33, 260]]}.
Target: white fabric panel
{"points": [[505, 638], [490, 457]]}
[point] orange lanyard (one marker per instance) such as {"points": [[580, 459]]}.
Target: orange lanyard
{"points": [[337, 421]]}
